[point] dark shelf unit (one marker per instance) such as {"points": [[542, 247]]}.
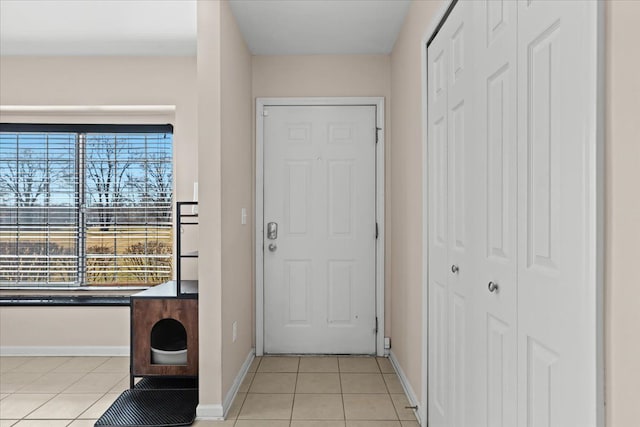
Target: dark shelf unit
{"points": [[177, 300], [190, 220]]}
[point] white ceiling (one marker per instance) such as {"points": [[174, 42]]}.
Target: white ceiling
{"points": [[97, 27], [168, 27], [294, 27]]}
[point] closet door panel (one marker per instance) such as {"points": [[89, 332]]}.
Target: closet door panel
{"points": [[495, 190], [438, 235], [460, 208], [556, 328]]}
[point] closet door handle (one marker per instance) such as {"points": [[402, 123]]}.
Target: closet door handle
{"points": [[493, 287], [454, 269]]}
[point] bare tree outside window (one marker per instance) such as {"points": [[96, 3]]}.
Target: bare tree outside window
{"points": [[106, 164], [26, 182], [159, 184]]}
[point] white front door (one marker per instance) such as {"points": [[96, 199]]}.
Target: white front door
{"points": [[320, 257]]}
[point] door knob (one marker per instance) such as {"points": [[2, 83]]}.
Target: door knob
{"points": [[454, 268], [493, 287], [272, 247]]}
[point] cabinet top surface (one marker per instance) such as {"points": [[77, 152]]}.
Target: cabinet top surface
{"points": [[189, 288]]}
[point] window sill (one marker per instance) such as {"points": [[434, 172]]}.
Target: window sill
{"points": [[61, 300]]}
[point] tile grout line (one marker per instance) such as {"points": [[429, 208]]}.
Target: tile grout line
{"points": [[295, 388], [17, 366], [90, 406], [43, 403], [103, 363], [24, 418], [29, 383], [248, 390], [344, 408], [389, 393]]}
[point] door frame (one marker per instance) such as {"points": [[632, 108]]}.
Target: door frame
{"points": [[261, 103], [595, 178]]}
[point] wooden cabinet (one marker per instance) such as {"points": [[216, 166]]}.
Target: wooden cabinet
{"points": [[148, 310]]}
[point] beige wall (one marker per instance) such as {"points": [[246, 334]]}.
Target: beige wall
{"points": [[97, 81], [225, 187], [321, 75], [237, 179], [330, 75], [65, 330], [406, 191], [622, 277], [210, 209]]}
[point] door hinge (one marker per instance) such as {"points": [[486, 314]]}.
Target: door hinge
{"points": [[376, 231], [376, 330], [377, 130], [265, 113]]}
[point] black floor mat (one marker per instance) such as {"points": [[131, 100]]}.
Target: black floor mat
{"points": [[152, 408], [163, 383]]}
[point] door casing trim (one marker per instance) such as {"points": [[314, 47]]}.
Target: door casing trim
{"points": [[261, 103]]}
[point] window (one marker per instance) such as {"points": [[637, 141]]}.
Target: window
{"points": [[85, 205]]}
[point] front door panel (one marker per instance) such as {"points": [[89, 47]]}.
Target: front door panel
{"points": [[319, 187]]}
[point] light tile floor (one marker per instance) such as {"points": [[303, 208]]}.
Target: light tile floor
{"points": [[277, 392]]}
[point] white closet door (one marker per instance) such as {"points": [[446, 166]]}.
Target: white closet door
{"points": [[556, 289], [495, 207], [512, 203], [438, 57], [450, 251], [461, 168]]}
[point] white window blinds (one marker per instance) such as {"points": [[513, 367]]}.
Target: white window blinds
{"points": [[39, 214], [86, 207]]}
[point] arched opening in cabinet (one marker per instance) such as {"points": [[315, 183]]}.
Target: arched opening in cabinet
{"points": [[168, 343]]}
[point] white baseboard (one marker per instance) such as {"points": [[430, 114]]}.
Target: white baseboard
{"points": [[219, 412], [209, 412], [406, 385], [233, 391], [64, 351]]}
